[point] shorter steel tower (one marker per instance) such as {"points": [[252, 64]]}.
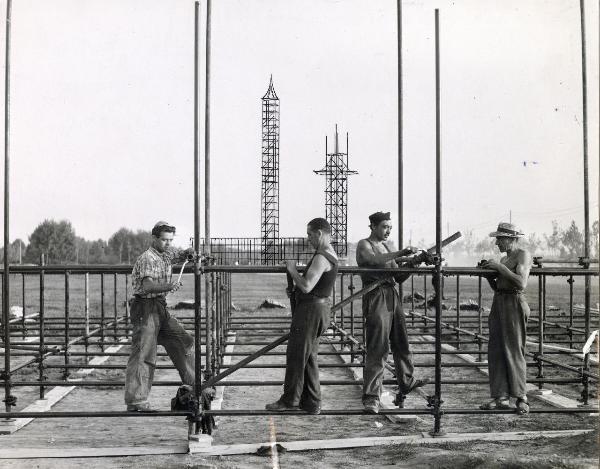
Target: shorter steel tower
{"points": [[336, 194]]}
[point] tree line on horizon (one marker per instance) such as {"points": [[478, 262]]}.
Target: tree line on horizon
{"points": [[58, 243]]}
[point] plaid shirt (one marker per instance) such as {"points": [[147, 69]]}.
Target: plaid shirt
{"points": [[156, 266]]}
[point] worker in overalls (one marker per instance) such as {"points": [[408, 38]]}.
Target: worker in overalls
{"points": [[385, 325]]}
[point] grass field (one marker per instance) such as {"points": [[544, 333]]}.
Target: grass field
{"points": [[247, 288]]}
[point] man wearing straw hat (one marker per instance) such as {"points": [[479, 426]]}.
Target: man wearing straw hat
{"points": [[384, 319], [508, 321], [152, 323]]}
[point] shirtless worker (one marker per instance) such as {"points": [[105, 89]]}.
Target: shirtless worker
{"points": [[152, 323], [310, 319], [384, 318], [508, 321]]}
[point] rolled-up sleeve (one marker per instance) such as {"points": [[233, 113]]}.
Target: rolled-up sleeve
{"points": [[145, 269]]}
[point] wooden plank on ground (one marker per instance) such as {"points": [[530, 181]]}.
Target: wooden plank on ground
{"points": [[423, 438], [217, 402]]}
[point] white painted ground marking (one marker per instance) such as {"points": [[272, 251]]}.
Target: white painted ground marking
{"points": [[56, 394], [555, 400], [273, 444], [387, 395]]}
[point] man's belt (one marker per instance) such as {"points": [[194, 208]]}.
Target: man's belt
{"points": [[311, 298], [140, 297], [386, 284], [505, 291]]}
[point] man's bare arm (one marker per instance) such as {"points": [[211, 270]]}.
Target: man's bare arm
{"points": [[318, 266], [366, 255], [518, 278]]}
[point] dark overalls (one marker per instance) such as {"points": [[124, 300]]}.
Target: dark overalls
{"points": [[310, 320], [508, 336], [385, 326]]}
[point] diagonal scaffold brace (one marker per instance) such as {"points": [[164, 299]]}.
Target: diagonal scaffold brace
{"points": [[212, 381]]}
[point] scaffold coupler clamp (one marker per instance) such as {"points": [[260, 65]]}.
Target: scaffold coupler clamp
{"points": [[435, 402], [207, 260], [10, 400], [584, 262], [537, 261]]}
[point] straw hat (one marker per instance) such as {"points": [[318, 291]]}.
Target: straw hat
{"points": [[507, 230]]}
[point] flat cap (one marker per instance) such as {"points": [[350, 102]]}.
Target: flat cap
{"points": [[377, 217]]}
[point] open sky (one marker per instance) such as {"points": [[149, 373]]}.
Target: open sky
{"points": [[102, 112]]}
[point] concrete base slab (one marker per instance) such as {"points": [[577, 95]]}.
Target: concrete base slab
{"points": [[199, 443]]}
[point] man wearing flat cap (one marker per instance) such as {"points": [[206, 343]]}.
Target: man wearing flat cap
{"points": [[384, 319], [152, 324], [508, 321]]}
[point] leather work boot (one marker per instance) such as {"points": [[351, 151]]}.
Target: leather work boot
{"points": [[315, 410], [143, 407], [279, 406], [417, 383], [371, 405]]}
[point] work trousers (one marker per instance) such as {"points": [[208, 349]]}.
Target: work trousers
{"points": [[506, 347], [301, 386], [385, 326], [152, 326]]}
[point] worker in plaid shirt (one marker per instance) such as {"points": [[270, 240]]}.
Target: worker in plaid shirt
{"points": [[152, 323]]}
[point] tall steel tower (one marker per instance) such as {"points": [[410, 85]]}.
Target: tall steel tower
{"points": [[336, 194], [270, 177]]}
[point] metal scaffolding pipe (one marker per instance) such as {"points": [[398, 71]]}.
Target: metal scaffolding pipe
{"points": [[8, 399]]}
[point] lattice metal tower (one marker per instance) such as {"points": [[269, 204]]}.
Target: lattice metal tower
{"points": [[269, 218], [336, 194]]}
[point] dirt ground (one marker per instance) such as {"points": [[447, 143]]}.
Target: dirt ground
{"points": [[569, 452]]}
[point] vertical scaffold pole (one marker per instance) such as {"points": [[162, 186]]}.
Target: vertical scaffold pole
{"points": [[102, 317], [67, 321], [400, 146], [197, 265], [23, 325], [87, 313], [42, 377], [207, 240], [8, 399], [437, 400], [400, 132], [586, 197], [115, 308]]}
